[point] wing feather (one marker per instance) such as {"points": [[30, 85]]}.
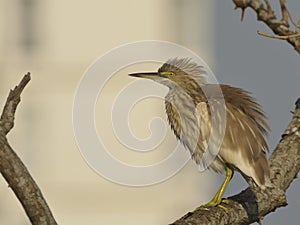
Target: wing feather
{"points": [[244, 143]]}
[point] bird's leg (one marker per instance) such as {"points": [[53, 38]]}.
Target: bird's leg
{"points": [[218, 196], [217, 199]]}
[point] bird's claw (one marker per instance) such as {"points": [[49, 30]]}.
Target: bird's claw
{"points": [[215, 204]]}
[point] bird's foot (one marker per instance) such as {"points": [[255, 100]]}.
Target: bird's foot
{"points": [[217, 199], [214, 203]]}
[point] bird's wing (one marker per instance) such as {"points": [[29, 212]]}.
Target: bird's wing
{"points": [[239, 99], [244, 142], [210, 135], [204, 123]]}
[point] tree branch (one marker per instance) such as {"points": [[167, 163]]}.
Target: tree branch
{"points": [[277, 36], [252, 204], [14, 171], [280, 27], [284, 12]]}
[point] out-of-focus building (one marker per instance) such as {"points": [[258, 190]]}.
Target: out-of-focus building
{"points": [[56, 41]]}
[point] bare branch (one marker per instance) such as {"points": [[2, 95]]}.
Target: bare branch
{"points": [[278, 36], [13, 99], [296, 25], [269, 8], [252, 204], [284, 12], [265, 14], [14, 171], [241, 4]]}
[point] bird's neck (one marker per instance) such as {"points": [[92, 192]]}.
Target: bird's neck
{"points": [[185, 94]]}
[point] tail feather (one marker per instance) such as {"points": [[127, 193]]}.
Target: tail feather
{"points": [[261, 171]]}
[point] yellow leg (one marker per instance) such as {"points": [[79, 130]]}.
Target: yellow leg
{"points": [[217, 199]]}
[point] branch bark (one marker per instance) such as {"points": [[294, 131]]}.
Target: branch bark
{"points": [[252, 204], [14, 171], [265, 14]]}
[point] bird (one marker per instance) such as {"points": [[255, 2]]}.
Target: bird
{"points": [[193, 105]]}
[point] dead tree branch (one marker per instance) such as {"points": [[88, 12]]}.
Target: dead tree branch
{"points": [[14, 171], [280, 27], [252, 204]]}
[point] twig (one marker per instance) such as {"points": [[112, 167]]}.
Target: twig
{"points": [[284, 37], [269, 8], [241, 4], [265, 14], [268, 5], [252, 204], [13, 99], [284, 12], [14, 171], [293, 22]]}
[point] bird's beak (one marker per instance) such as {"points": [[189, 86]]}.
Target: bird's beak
{"points": [[148, 75]]}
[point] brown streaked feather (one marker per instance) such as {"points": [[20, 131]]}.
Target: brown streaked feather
{"points": [[240, 99], [244, 142]]}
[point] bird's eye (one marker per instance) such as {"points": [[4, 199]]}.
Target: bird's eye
{"points": [[171, 74], [168, 74]]}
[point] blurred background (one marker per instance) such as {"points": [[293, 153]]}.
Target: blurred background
{"points": [[57, 40]]}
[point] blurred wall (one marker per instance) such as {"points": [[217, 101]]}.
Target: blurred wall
{"points": [[56, 41]]}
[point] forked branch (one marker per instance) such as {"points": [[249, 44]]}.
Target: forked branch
{"points": [[280, 27], [14, 171]]}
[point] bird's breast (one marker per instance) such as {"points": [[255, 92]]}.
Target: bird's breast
{"points": [[181, 110]]}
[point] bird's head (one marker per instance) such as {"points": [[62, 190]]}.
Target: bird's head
{"points": [[175, 71]]}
